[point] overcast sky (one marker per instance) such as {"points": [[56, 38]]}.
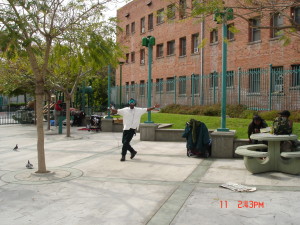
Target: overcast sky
{"points": [[112, 11]]}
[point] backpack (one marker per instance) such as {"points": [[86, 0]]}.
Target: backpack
{"points": [[281, 127]]}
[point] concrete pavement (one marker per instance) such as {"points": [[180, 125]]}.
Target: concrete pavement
{"points": [[89, 185]]}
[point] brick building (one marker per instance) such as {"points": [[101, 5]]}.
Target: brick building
{"points": [[191, 75]]}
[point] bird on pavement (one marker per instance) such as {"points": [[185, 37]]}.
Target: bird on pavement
{"points": [[16, 147], [29, 165]]}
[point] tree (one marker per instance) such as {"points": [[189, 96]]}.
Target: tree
{"points": [[33, 27], [70, 64]]}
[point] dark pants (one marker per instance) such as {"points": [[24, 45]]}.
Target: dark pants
{"points": [[127, 136]]}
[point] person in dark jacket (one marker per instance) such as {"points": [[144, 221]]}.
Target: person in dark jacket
{"points": [[255, 126]]}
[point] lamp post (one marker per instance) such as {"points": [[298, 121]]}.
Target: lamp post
{"points": [[108, 90], [149, 41], [224, 16], [120, 102]]}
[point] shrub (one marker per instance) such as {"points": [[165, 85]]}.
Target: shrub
{"points": [[295, 116], [269, 115], [170, 108], [235, 111], [248, 114], [212, 110]]}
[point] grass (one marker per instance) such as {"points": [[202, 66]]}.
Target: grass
{"points": [[212, 122]]}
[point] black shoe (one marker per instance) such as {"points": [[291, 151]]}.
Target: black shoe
{"points": [[122, 159], [133, 154]]}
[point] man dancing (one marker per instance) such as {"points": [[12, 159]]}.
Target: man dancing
{"points": [[131, 120]]}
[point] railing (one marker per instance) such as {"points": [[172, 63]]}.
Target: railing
{"points": [[18, 117], [259, 89]]}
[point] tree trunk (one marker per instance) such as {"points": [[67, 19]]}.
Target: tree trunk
{"points": [[68, 100], [40, 128]]}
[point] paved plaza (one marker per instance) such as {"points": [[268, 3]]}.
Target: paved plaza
{"points": [[88, 185]]}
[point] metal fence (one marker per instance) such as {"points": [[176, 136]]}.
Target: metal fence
{"points": [[270, 88], [18, 117]]}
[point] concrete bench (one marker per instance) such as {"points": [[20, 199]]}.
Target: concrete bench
{"points": [[250, 150], [290, 154]]}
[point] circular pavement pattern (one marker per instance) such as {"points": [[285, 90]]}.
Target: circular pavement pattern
{"points": [[58, 174]]}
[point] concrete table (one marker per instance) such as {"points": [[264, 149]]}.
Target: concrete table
{"points": [[274, 161]]}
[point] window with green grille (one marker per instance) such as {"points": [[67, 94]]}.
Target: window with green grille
{"points": [[142, 87], [229, 78], [277, 79], [196, 84], [213, 81], [295, 79], [170, 84], [182, 85], [254, 80], [159, 85]]}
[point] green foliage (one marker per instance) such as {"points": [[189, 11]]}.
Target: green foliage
{"points": [[269, 115], [235, 111], [232, 111], [212, 110], [212, 122]]}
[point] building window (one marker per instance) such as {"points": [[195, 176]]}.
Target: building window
{"points": [[229, 78], [214, 36], [213, 80], [142, 87], [182, 85], [132, 85], [133, 27], [142, 56], [254, 31], [171, 11], [127, 87], [182, 9], [150, 21], [182, 46], [143, 25], [254, 80], [127, 57], [132, 56], [127, 29], [295, 76], [277, 79], [276, 23], [171, 47], [159, 50], [170, 84], [195, 80], [195, 43], [230, 34], [296, 14], [160, 16], [159, 85]]}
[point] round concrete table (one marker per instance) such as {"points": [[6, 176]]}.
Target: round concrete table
{"points": [[274, 162]]}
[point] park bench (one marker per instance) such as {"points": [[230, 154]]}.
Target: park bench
{"points": [[250, 150]]}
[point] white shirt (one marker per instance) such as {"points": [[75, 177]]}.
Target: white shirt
{"points": [[131, 117]]}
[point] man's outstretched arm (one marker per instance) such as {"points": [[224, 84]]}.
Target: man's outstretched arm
{"points": [[154, 107]]}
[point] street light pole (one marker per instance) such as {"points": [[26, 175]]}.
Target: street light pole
{"points": [[224, 16], [149, 42], [108, 91], [120, 102], [224, 78]]}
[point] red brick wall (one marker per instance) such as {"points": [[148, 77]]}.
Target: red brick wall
{"points": [[241, 53]]}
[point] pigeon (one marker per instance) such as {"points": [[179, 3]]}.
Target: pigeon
{"points": [[16, 148], [29, 165]]}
